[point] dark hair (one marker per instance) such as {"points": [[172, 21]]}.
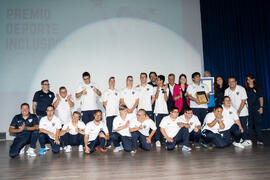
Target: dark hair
{"points": [[25, 104], [217, 107], [62, 87], [86, 74], [112, 77], [142, 111], [255, 84], [225, 98], [143, 73], [43, 81], [122, 107], [50, 106], [232, 77], [174, 108], [152, 73], [187, 109], [216, 86], [171, 74], [182, 75], [161, 77], [195, 74], [98, 110], [129, 77], [77, 112]]}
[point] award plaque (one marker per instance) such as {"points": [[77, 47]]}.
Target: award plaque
{"points": [[209, 81], [202, 98]]}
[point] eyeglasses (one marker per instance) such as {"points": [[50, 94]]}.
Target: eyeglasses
{"points": [[46, 84]]}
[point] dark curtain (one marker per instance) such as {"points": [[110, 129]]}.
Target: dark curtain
{"points": [[236, 42]]}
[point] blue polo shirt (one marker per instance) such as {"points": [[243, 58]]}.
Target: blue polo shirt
{"points": [[43, 100], [18, 121], [253, 99]]}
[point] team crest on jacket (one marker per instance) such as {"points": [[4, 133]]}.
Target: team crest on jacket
{"points": [[50, 95], [133, 92], [53, 124], [230, 112], [116, 93], [202, 86], [237, 93], [191, 123], [147, 89], [30, 120]]}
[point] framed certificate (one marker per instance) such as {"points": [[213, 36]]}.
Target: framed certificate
{"points": [[202, 98], [209, 81]]}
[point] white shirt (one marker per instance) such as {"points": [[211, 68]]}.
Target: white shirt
{"points": [[89, 100], [210, 117], [229, 116], [130, 96], [192, 90], [92, 130], [193, 122], [112, 98], [160, 103], [171, 127], [51, 125], [171, 88], [146, 124], [237, 96], [118, 121], [72, 129], [145, 97], [63, 110]]}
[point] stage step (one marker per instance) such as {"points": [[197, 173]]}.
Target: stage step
{"points": [[2, 136]]}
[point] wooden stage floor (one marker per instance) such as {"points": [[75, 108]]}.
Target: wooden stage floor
{"points": [[228, 163]]}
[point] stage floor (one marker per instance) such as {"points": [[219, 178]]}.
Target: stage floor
{"points": [[228, 163]]}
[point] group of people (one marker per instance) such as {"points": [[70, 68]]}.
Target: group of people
{"points": [[151, 113]]}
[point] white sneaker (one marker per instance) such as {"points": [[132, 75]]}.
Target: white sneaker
{"points": [[117, 149], [238, 145], [22, 151], [247, 143], [31, 152], [186, 149], [80, 148], [133, 151], [158, 144], [68, 149], [259, 142], [47, 148]]}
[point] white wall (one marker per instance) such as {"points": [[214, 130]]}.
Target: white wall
{"points": [[58, 40]]}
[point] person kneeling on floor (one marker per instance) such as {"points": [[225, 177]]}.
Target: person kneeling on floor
{"points": [[25, 126], [192, 122], [72, 134], [139, 129], [232, 123], [213, 124], [174, 131], [121, 136], [96, 133], [49, 128]]}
